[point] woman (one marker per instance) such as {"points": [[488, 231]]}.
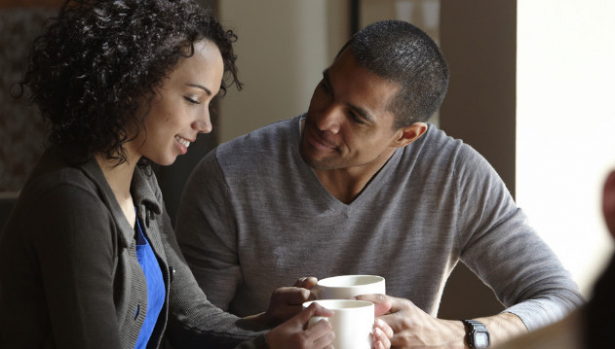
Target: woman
{"points": [[88, 258]]}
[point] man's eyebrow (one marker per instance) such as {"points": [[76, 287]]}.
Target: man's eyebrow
{"points": [[363, 113], [201, 87]]}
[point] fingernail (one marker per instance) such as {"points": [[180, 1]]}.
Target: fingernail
{"points": [[379, 332]]}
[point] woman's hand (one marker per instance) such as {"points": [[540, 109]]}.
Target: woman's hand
{"points": [[286, 305], [286, 302], [295, 334]]}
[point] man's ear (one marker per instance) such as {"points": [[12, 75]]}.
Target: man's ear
{"points": [[409, 134], [608, 203]]}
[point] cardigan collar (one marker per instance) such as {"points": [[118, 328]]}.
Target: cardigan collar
{"points": [[147, 201]]}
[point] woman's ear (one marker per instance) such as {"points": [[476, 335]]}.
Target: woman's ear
{"points": [[409, 134], [608, 203]]}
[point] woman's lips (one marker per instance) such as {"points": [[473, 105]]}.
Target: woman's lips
{"points": [[183, 141]]}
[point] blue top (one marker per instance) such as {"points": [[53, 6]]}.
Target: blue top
{"points": [[155, 287]]}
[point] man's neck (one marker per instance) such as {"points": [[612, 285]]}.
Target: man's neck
{"points": [[347, 183]]}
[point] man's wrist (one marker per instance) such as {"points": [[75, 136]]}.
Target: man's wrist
{"points": [[477, 336]]}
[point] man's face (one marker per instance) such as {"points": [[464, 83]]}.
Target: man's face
{"points": [[348, 124]]}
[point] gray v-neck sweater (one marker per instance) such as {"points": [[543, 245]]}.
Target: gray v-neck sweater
{"points": [[255, 217]]}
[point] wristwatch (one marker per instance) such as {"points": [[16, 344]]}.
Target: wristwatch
{"points": [[477, 334]]}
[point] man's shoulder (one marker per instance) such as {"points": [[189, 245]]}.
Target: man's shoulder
{"points": [[266, 141], [437, 149], [274, 132], [439, 138], [437, 144]]}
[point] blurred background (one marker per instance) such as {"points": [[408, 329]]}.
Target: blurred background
{"points": [[532, 86]]}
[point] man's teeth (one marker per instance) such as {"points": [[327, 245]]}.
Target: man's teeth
{"points": [[183, 142]]}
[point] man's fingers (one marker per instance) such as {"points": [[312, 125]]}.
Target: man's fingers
{"points": [[394, 321], [382, 303], [384, 327]]}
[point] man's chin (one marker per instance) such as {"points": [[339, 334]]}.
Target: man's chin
{"points": [[315, 164], [305, 150], [306, 158]]}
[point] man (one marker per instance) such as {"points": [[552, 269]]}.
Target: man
{"points": [[590, 326], [361, 184]]}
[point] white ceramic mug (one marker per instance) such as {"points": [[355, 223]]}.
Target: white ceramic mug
{"points": [[348, 286], [352, 322]]}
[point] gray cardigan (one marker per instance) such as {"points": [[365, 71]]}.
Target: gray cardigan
{"points": [[69, 276]]}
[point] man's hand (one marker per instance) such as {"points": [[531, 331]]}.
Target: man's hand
{"points": [[413, 328]]}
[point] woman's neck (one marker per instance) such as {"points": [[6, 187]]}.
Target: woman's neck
{"points": [[119, 179]]}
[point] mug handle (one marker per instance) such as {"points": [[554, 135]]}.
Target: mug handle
{"points": [[315, 291]]}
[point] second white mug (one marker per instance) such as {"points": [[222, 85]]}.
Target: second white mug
{"points": [[352, 322]]}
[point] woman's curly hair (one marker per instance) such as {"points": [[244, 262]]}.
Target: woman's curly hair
{"points": [[93, 64]]}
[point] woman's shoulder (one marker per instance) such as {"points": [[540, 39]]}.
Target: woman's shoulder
{"points": [[53, 175], [54, 186]]}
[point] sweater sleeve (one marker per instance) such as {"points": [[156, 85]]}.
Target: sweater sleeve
{"points": [[194, 322], [73, 240], [500, 246], [207, 233]]}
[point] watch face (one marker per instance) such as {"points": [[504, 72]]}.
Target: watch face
{"points": [[481, 340]]}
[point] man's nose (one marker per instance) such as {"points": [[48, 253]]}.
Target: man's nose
{"points": [[330, 119]]}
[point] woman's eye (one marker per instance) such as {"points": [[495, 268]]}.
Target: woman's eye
{"points": [[192, 101]]}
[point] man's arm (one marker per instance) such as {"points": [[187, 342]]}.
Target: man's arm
{"points": [[413, 327], [497, 243], [207, 234]]}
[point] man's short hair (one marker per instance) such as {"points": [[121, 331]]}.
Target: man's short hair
{"points": [[400, 52]]}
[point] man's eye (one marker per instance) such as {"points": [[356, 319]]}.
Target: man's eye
{"points": [[355, 117]]}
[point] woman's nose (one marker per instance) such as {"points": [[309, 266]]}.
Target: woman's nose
{"points": [[203, 124]]}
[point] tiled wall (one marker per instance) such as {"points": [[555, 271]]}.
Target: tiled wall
{"points": [[22, 131]]}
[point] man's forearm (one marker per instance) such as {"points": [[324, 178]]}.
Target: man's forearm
{"points": [[502, 327]]}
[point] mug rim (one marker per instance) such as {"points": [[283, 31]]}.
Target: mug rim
{"points": [[338, 277], [360, 304]]}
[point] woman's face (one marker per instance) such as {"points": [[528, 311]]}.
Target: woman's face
{"points": [[180, 110]]}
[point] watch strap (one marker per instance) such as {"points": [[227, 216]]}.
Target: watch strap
{"points": [[472, 328]]}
